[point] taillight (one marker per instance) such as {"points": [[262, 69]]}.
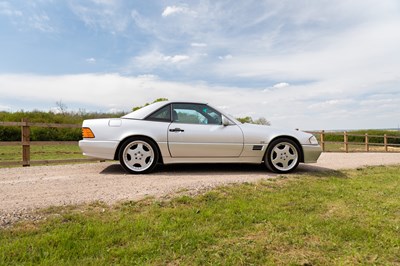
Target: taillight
{"points": [[87, 133]]}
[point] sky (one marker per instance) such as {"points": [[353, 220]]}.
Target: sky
{"points": [[308, 64]]}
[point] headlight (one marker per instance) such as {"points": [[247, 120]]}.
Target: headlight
{"points": [[313, 140]]}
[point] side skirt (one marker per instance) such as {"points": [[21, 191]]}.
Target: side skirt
{"points": [[252, 160]]}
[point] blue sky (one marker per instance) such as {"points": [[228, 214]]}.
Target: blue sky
{"points": [[300, 64]]}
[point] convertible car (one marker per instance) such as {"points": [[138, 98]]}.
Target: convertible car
{"points": [[187, 132]]}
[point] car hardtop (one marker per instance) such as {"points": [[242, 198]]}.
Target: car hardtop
{"points": [[145, 111]]}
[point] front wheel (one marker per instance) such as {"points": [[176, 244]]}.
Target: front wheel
{"points": [[282, 156], [138, 155]]}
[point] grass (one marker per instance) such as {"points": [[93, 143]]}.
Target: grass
{"points": [[42, 152], [339, 147], [348, 217]]}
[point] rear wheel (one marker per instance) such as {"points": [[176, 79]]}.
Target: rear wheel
{"points": [[138, 155], [282, 156]]}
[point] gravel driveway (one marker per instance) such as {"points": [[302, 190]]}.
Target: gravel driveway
{"points": [[25, 189]]}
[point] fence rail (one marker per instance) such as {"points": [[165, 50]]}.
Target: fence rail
{"points": [[385, 144], [26, 143]]}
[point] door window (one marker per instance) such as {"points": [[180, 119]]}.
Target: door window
{"points": [[195, 114]]}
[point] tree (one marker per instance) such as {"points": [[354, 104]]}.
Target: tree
{"points": [[246, 119], [262, 121], [259, 121]]}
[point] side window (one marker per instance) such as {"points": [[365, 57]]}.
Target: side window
{"points": [[195, 114], [163, 114]]}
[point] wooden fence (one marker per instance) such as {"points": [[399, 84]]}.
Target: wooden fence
{"points": [[26, 143], [365, 146]]}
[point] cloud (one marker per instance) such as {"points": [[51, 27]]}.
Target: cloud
{"points": [[107, 15], [154, 59], [26, 17], [225, 57], [198, 44], [283, 108], [41, 23], [173, 10], [90, 60], [176, 58], [8, 10], [281, 85], [329, 104]]}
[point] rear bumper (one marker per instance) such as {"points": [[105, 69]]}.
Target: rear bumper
{"points": [[311, 153], [98, 149]]}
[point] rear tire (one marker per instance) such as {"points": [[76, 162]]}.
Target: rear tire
{"points": [[138, 155], [282, 156]]}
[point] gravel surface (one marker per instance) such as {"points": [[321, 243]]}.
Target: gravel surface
{"points": [[23, 190]]}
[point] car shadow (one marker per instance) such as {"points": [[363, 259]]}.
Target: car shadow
{"points": [[311, 169], [194, 169], [219, 169]]}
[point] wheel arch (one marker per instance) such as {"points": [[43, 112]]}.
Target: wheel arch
{"points": [[301, 159], [116, 155]]}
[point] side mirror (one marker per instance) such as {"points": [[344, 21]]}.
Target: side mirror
{"points": [[225, 121]]}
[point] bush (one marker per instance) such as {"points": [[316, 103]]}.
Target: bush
{"points": [[47, 134]]}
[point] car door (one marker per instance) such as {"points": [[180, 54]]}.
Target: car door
{"points": [[197, 131]]}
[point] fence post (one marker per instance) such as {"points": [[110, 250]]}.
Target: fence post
{"points": [[366, 142], [323, 140], [346, 142], [385, 142], [25, 139]]}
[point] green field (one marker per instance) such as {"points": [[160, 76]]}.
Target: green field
{"points": [[339, 147], [42, 152], [330, 218]]}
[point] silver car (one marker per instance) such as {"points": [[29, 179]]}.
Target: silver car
{"points": [[188, 132]]}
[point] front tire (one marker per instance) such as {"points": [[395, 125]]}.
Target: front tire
{"points": [[282, 156], [138, 155]]}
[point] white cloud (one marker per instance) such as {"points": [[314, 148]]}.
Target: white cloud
{"points": [[154, 60], [329, 104], [282, 108], [104, 2], [143, 23], [41, 22], [176, 58], [173, 10], [90, 60], [8, 10], [198, 44], [280, 85], [32, 17], [102, 14], [225, 57]]}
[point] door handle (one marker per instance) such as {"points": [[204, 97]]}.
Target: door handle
{"points": [[176, 130]]}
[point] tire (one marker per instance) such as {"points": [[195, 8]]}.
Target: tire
{"points": [[282, 156], [138, 155]]}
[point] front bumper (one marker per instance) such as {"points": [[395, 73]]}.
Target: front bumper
{"points": [[98, 149], [311, 153]]}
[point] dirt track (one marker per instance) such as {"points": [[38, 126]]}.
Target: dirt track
{"points": [[24, 189]]}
